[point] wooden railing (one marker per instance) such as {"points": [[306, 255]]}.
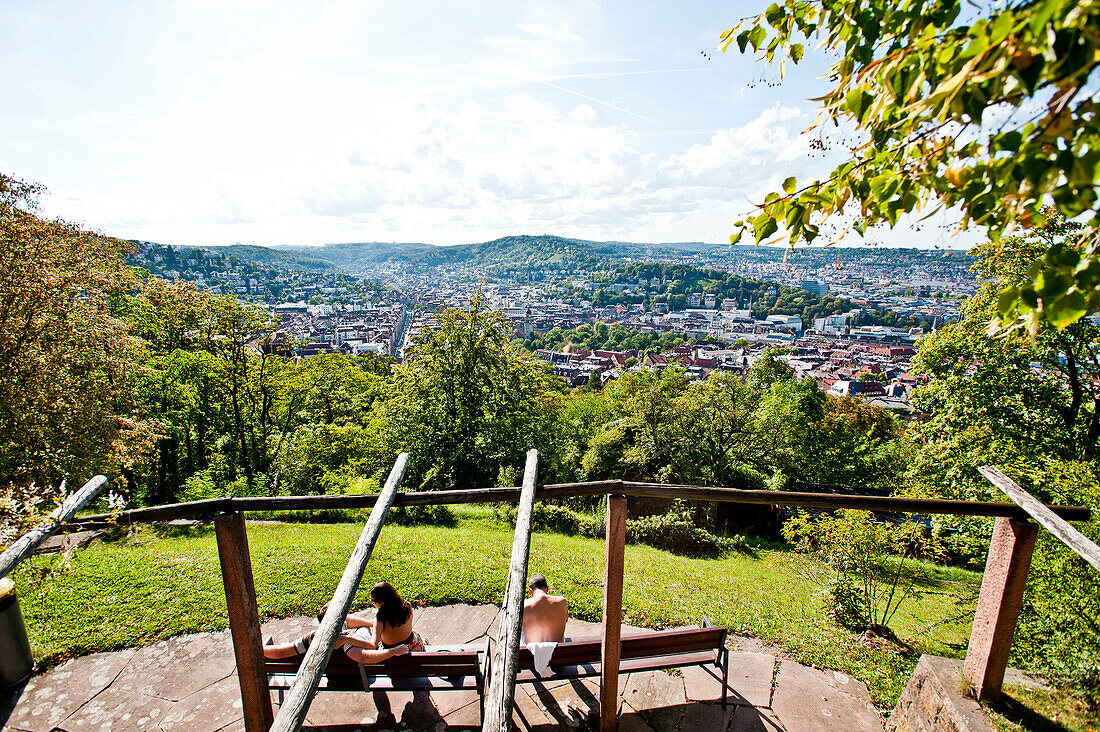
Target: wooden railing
{"points": [[1004, 581], [25, 545], [292, 713], [502, 671], [1002, 587]]}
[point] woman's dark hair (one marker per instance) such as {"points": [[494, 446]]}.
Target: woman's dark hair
{"points": [[394, 611]]}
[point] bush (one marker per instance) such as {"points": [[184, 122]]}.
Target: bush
{"points": [[677, 533], [440, 515], [674, 531], [552, 517]]}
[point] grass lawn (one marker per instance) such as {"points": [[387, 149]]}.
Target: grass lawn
{"points": [[157, 583]]}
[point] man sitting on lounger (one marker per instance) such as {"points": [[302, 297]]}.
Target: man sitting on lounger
{"points": [[544, 615], [354, 639]]}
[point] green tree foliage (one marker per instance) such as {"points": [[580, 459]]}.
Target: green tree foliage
{"points": [[991, 116], [467, 402], [68, 362], [1032, 411]]}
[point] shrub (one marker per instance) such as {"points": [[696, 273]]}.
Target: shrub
{"points": [[440, 515], [864, 581], [555, 518], [676, 532]]}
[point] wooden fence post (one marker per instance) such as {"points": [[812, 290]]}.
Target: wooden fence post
{"points": [[999, 604], [614, 559], [244, 620], [501, 693]]}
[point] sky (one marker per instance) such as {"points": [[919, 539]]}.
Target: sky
{"points": [[270, 123]]}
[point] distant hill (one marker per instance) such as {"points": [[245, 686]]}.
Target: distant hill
{"points": [[525, 251], [300, 259]]}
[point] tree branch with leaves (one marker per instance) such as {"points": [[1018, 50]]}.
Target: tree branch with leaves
{"points": [[995, 118]]}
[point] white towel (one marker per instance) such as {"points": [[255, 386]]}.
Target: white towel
{"points": [[542, 652]]}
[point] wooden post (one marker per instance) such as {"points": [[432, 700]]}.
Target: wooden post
{"points": [[501, 693], [292, 712], [244, 620], [614, 559], [999, 604]]}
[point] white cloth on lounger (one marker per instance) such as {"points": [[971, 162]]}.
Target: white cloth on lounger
{"points": [[542, 652]]}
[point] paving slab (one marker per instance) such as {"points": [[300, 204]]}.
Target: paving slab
{"points": [[750, 680], [119, 710], [630, 720], [530, 712], [464, 717], [567, 703], [213, 707], [658, 696], [340, 708], [414, 710], [707, 717], [751, 719], [808, 700], [50, 697], [288, 630], [454, 624], [158, 670]]}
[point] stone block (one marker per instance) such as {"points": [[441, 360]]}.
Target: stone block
{"points": [[933, 700]]}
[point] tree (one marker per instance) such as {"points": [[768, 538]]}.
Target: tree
{"points": [[1034, 412], [467, 402], [990, 117], [69, 363]]}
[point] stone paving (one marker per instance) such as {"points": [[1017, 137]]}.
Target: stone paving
{"points": [[189, 683]]}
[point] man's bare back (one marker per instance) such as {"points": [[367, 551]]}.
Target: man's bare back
{"points": [[544, 615]]}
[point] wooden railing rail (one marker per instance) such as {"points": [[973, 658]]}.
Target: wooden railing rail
{"points": [[1005, 579], [292, 713], [831, 501], [25, 545], [501, 693], [1048, 519]]}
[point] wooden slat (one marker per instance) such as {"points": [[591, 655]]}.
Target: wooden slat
{"points": [[827, 501], [293, 710], [832, 501], [1048, 519], [22, 547], [502, 681], [614, 562], [244, 620]]}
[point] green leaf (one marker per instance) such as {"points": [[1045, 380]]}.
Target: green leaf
{"points": [[789, 185], [797, 51], [736, 237], [763, 226]]}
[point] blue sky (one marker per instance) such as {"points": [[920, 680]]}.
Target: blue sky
{"points": [[277, 123]]}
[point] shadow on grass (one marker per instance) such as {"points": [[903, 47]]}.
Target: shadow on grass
{"points": [[1017, 711]]}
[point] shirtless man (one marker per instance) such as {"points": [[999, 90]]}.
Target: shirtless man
{"points": [[544, 615]]}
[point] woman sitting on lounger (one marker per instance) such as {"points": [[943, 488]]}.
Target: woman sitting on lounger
{"points": [[394, 620], [354, 640]]}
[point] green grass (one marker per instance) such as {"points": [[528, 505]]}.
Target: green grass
{"points": [[159, 583]]}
